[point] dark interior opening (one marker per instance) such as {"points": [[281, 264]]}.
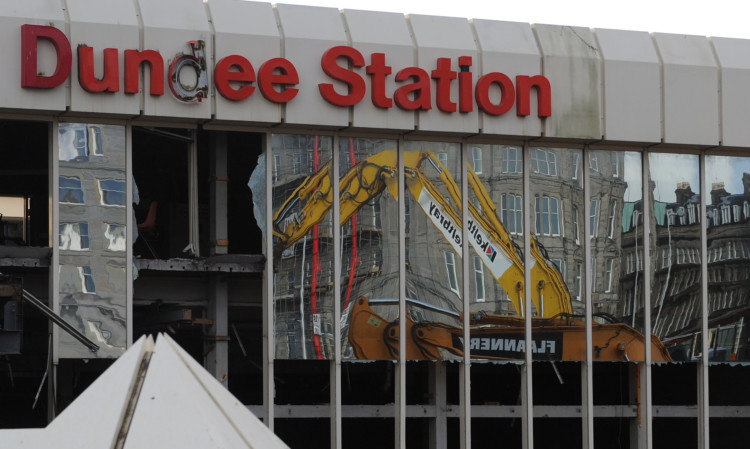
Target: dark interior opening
{"points": [[24, 178]]}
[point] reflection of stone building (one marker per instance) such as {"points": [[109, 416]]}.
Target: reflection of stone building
{"points": [[675, 262], [434, 265], [303, 272], [92, 211], [558, 212], [728, 250]]}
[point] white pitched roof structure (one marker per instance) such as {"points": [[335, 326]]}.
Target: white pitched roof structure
{"points": [[155, 395]]}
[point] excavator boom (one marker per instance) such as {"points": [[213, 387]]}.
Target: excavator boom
{"points": [[488, 237], [557, 333], [495, 337]]}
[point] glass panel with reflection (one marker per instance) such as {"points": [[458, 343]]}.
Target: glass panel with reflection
{"points": [[92, 226]]}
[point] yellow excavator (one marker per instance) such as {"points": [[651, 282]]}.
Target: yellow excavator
{"points": [[557, 334]]}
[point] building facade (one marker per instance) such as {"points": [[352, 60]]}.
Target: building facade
{"points": [[380, 230]]}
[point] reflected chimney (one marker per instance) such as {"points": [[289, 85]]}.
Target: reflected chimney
{"points": [[683, 192], [717, 192]]}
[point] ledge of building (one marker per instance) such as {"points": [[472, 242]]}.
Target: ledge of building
{"points": [[24, 256], [229, 263]]}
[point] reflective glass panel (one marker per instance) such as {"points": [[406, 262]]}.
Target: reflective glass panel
{"points": [[557, 252], [369, 247], [434, 281], [727, 193], [675, 254], [617, 249], [496, 239], [303, 190], [92, 179]]}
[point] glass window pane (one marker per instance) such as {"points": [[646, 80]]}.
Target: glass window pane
{"points": [[675, 288], [92, 298], [556, 196], [497, 256], [727, 188], [303, 286]]}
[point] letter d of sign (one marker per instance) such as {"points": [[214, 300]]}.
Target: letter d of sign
{"points": [[189, 89], [30, 76]]}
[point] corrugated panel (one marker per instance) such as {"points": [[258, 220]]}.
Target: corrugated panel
{"points": [[12, 16], [388, 33], [734, 59], [509, 48], [444, 37], [168, 26], [247, 29], [690, 89], [573, 66], [632, 95], [101, 25], [308, 32]]}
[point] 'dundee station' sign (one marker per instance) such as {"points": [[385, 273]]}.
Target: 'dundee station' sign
{"points": [[235, 78]]}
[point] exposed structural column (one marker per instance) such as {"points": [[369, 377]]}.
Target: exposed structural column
{"points": [[217, 335], [438, 426], [218, 234]]}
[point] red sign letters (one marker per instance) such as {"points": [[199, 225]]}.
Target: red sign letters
{"points": [[352, 77]]}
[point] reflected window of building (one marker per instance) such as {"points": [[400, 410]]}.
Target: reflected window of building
{"points": [[376, 215], [547, 216], [78, 142], [297, 165], [407, 218], [593, 273], [443, 158], [726, 216], [511, 213], [593, 162], [615, 165], [543, 162], [592, 217], [70, 190], [576, 165], [476, 203], [450, 265], [608, 275], [691, 213], [576, 227], [74, 236], [636, 218], [95, 141], [115, 235], [476, 155], [681, 215], [578, 281], [560, 264], [73, 146], [87, 280], [479, 278], [512, 160], [111, 192], [276, 165], [611, 221]]}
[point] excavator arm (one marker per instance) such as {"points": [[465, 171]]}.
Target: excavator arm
{"points": [[557, 334], [309, 203], [549, 294], [488, 237], [495, 337]]}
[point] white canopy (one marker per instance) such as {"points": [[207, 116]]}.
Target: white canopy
{"points": [[155, 395]]}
